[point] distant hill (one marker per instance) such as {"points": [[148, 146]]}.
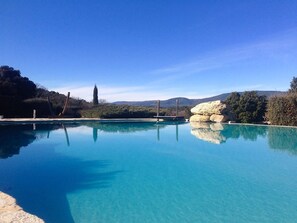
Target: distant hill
{"points": [[190, 102]]}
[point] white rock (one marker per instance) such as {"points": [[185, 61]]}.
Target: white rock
{"points": [[209, 108], [200, 118], [219, 118]]}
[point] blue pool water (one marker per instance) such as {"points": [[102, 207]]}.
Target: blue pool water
{"points": [[150, 173]]}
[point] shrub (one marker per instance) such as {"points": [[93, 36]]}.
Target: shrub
{"points": [[120, 111], [282, 109]]}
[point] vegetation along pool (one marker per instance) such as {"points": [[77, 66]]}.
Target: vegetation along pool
{"points": [[148, 172]]}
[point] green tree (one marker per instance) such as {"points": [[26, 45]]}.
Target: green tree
{"points": [[293, 86], [233, 102], [252, 107], [248, 107], [14, 85], [95, 95]]}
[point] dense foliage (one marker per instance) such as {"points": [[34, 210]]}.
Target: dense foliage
{"points": [[293, 85], [248, 107], [13, 90], [282, 110], [12, 84]]}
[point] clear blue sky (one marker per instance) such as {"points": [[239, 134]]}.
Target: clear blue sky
{"points": [[151, 49]]}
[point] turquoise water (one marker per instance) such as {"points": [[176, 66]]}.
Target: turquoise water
{"points": [[151, 173]]}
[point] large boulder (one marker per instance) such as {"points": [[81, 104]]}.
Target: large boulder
{"points": [[219, 118], [200, 118], [213, 111], [210, 108]]}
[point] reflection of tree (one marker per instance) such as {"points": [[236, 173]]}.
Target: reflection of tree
{"points": [[95, 134], [283, 139], [14, 137], [247, 132], [41, 188]]}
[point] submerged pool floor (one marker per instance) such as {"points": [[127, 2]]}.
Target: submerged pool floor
{"points": [[146, 172]]}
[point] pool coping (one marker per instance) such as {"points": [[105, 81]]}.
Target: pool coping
{"points": [[71, 120], [10, 211], [113, 120]]}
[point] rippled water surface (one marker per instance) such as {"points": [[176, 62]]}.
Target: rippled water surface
{"points": [[151, 172]]}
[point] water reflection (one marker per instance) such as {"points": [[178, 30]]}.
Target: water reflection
{"points": [[14, 137], [284, 139], [41, 184], [281, 138], [208, 132], [247, 132], [219, 133]]}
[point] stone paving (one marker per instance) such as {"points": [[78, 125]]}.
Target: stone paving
{"points": [[10, 212]]}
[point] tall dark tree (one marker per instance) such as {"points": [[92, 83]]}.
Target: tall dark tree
{"points": [[95, 95], [293, 86]]}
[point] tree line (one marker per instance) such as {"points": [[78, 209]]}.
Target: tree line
{"points": [[19, 96], [277, 110]]}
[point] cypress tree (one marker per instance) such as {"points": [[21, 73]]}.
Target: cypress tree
{"points": [[95, 95]]}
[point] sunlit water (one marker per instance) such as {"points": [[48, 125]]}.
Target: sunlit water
{"points": [[151, 173]]}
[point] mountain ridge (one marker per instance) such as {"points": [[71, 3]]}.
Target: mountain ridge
{"points": [[183, 101]]}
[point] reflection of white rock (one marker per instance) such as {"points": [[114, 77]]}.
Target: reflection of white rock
{"points": [[200, 125], [11, 212], [210, 132], [207, 125], [209, 135], [200, 118], [216, 127]]}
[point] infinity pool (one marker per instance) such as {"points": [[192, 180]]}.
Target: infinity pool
{"points": [[147, 172]]}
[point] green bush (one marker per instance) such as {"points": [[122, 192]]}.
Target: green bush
{"points": [[282, 109]]}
